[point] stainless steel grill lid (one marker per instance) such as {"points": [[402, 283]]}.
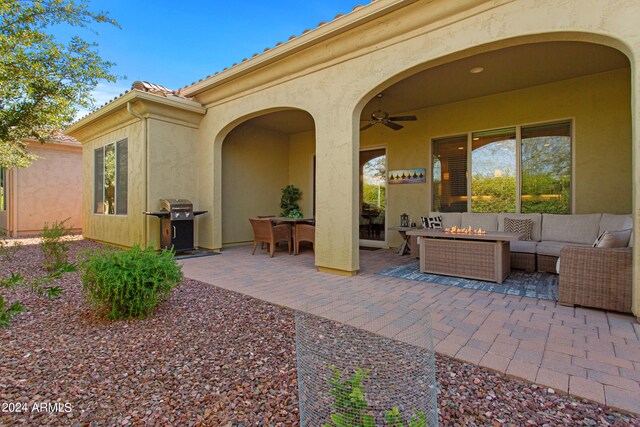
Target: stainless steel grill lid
{"points": [[179, 209]]}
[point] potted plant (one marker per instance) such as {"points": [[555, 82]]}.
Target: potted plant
{"points": [[289, 202]]}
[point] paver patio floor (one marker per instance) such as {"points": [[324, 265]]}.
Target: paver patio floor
{"points": [[587, 353]]}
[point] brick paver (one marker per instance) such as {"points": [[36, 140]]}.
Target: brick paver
{"points": [[589, 353]]}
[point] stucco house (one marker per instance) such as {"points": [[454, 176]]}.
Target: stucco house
{"points": [[48, 190], [472, 72]]}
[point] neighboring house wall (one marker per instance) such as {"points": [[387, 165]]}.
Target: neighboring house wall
{"points": [[48, 190]]}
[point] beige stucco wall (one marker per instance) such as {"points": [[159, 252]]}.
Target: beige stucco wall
{"points": [[599, 105], [254, 170], [171, 174], [123, 230], [302, 150], [49, 189]]}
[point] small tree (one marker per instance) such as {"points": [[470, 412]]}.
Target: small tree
{"points": [[289, 202], [44, 81]]}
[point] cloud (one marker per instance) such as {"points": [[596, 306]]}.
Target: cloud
{"points": [[103, 93]]}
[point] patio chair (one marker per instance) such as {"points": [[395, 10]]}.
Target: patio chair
{"points": [[265, 232], [304, 233]]}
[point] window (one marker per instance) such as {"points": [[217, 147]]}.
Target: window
{"points": [[516, 169], [546, 168], [450, 174], [110, 179], [493, 171]]}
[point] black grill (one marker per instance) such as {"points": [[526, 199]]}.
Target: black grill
{"points": [[176, 224]]}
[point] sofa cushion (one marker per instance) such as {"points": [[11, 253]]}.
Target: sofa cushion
{"points": [[524, 246], [582, 229], [613, 239], [536, 219], [553, 248], [449, 219], [522, 226], [610, 222], [433, 222], [485, 221]]}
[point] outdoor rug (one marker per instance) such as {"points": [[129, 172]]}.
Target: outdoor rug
{"points": [[520, 283]]}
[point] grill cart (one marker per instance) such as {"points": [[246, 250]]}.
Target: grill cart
{"points": [[176, 224]]}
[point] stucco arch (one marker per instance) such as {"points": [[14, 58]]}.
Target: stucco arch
{"points": [[394, 76], [271, 135]]}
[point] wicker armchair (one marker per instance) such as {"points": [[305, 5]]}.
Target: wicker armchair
{"points": [[596, 277], [303, 233], [265, 232]]}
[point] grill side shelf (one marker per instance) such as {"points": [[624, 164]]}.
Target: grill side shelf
{"points": [[159, 214]]}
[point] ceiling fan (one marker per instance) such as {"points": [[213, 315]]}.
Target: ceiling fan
{"points": [[382, 117]]}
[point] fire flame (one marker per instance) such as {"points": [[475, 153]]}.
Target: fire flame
{"points": [[468, 230]]}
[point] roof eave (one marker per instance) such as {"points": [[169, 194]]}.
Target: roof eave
{"points": [[132, 95]]}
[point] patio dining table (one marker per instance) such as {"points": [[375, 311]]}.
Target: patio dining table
{"points": [[292, 222]]}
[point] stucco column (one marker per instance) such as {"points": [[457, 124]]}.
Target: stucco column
{"points": [[336, 246], [635, 138]]}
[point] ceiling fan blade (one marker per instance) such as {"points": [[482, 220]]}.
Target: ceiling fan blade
{"points": [[404, 118], [392, 125], [367, 126]]}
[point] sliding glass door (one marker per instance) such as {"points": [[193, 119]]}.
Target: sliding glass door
{"points": [[373, 200]]}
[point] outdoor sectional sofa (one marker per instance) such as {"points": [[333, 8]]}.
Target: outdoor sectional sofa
{"points": [[589, 276]]}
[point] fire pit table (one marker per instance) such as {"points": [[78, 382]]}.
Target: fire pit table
{"points": [[475, 256]]}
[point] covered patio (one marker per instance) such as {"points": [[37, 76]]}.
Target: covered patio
{"points": [[583, 352]]}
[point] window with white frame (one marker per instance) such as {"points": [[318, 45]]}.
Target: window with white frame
{"points": [[516, 169], [110, 179]]}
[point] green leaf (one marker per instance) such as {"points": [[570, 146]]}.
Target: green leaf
{"points": [[368, 421], [338, 420], [44, 80]]}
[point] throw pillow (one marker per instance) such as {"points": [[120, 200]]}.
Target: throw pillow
{"points": [[434, 222], [613, 239], [513, 225]]}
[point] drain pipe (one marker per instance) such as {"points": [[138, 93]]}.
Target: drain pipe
{"points": [[145, 136]]}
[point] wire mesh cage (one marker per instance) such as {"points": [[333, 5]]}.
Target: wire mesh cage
{"points": [[381, 373]]}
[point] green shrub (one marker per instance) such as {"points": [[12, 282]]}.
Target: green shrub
{"points": [[129, 283], [53, 248], [6, 313]]}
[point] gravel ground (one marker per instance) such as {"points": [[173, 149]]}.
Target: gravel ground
{"points": [[209, 357]]}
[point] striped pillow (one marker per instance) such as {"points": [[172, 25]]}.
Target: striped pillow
{"points": [[512, 225]]}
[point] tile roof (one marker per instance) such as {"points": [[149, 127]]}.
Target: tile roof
{"points": [[293, 37], [142, 86], [152, 88]]}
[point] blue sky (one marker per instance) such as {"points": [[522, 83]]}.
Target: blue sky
{"points": [[174, 43]]}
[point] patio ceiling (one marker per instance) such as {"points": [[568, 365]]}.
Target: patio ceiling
{"points": [[505, 70]]}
